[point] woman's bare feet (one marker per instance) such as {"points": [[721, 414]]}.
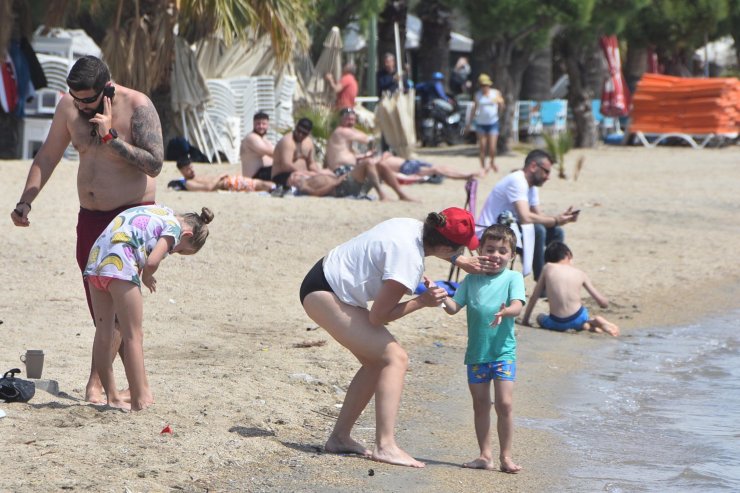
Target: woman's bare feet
{"points": [[480, 463], [508, 466], [119, 404], [94, 394], [348, 446], [142, 402], [396, 456]]}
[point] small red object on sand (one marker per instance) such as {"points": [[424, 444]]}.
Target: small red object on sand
{"points": [[166, 429]]}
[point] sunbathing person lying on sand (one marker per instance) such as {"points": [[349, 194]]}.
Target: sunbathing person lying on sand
{"points": [[225, 181], [563, 283], [413, 167]]}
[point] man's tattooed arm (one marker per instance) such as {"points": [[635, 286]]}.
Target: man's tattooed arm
{"points": [[147, 150]]}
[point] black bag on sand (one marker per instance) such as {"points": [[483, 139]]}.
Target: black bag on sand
{"points": [[15, 389]]}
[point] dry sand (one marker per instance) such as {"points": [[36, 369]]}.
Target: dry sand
{"points": [[250, 412]]}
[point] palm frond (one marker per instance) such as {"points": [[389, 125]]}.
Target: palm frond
{"points": [[284, 21]]}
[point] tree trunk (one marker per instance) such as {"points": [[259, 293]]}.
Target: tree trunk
{"points": [[395, 11], [537, 78], [161, 99], [635, 65], [577, 59], [434, 52]]}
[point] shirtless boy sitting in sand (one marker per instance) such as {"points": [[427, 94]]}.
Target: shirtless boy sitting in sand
{"points": [[563, 283]]}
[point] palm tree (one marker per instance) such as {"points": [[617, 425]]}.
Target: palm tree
{"points": [[138, 41], [436, 21], [394, 12]]}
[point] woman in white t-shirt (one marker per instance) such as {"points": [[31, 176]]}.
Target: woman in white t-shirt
{"points": [[381, 265], [487, 105]]}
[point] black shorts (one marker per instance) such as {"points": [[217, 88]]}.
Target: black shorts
{"points": [[281, 179], [315, 280], [264, 173]]}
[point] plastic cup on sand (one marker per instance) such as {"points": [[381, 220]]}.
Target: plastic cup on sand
{"points": [[34, 360]]}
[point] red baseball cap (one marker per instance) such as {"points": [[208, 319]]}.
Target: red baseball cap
{"points": [[459, 227]]}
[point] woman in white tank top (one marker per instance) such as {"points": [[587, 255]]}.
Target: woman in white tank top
{"points": [[487, 105]]}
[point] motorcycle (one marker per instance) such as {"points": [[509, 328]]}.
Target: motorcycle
{"points": [[440, 123]]}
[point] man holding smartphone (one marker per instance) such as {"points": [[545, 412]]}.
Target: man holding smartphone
{"points": [[118, 135], [518, 193]]}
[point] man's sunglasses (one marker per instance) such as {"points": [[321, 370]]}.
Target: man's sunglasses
{"points": [[89, 100]]}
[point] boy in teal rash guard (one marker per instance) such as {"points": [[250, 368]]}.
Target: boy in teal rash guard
{"points": [[492, 302]]}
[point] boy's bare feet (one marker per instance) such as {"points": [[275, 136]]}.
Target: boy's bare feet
{"points": [[480, 463], [508, 466], [611, 329], [349, 446], [396, 456]]}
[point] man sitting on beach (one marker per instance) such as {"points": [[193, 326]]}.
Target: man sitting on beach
{"points": [[294, 153], [563, 282], [230, 183], [256, 151], [341, 157], [518, 194]]}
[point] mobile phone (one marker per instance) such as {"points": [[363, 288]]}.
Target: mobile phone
{"points": [[109, 91], [577, 211]]}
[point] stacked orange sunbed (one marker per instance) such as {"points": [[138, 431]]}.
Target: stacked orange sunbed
{"points": [[664, 104]]}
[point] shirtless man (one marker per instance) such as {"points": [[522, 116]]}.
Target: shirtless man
{"points": [[225, 181], [256, 151], [117, 133], [294, 153], [341, 156]]}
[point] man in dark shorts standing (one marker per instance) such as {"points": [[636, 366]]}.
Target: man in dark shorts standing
{"points": [[118, 135]]}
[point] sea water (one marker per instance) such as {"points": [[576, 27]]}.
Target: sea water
{"points": [[658, 412]]}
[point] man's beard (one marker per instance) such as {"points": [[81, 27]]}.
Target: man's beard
{"points": [[261, 133], [91, 113]]}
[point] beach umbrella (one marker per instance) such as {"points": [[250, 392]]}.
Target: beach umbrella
{"points": [[615, 95], [330, 62], [395, 114]]}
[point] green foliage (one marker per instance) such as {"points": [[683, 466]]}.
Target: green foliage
{"points": [[672, 25], [324, 119], [283, 20], [340, 13], [558, 146]]}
